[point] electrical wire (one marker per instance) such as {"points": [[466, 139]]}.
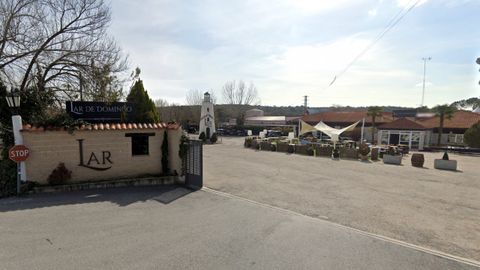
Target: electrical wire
{"points": [[393, 22]]}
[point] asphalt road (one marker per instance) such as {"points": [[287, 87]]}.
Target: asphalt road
{"points": [[431, 208], [171, 228]]}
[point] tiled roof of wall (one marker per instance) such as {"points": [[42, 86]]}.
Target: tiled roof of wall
{"points": [[106, 126]]}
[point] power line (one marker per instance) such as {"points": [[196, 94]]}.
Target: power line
{"points": [[393, 22]]}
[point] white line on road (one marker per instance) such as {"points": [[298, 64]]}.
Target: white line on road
{"points": [[376, 236]]}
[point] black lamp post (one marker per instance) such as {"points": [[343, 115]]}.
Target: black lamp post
{"points": [[13, 101]]}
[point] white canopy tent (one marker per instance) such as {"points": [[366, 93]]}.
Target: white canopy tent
{"points": [[333, 133]]}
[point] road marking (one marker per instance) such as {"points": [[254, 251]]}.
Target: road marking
{"points": [[373, 235]]}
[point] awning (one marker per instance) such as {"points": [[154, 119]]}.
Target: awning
{"points": [[333, 133]]}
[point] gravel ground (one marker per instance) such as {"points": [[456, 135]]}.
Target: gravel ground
{"points": [[427, 207]]}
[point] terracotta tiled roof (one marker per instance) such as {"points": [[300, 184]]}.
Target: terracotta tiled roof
{"points": [[403, 124], [346, 117], [107, 126], [461, 119]]}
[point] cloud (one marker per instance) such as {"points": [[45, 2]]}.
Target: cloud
{"points": [[409, 3], [372, 12]]}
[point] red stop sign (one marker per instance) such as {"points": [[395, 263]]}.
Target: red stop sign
{"points": [[18, 153]]}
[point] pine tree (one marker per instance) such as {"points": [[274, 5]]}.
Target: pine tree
{"points": [[145, 110]]}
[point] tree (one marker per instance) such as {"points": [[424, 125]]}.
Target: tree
{"points": [[145, 110], [234, 93], [478, 62], [165, 167], [61, 46], [472, 136], [374, 112], [473, 103], [443, 112]]}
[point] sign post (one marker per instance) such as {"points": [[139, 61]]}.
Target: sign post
{"points": [[19, 153]]}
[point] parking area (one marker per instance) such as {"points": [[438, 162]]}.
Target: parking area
{"points": [[435, 209], [174, 228]]}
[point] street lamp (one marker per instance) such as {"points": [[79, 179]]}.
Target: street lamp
{"points": [[13, 101]]}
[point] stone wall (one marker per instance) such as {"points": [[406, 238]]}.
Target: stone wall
{"points": [[107, 154]]}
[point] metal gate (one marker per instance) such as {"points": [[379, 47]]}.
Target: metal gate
{"points": [[194, 165]]}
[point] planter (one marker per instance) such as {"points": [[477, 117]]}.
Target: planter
{"points": [[374, 154], [265, 146], [335, 154], [301, 149], [291, 148], [282, 147], [364, 157], [390, 159], [273, 147], [349, 153], [324, 151], [442, 164], [418, 160]]}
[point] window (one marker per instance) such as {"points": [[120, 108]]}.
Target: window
{"points": [[140, 143]]}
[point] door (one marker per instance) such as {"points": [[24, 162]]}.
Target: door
{"points": [[394, 139], [194, 164], [208, 133]]}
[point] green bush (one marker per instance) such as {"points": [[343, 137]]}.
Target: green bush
{"points": [[59, 175], [165, 168], [214, 138], [202, 137], [472, 136]]}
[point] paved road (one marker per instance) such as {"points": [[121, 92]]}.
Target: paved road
{"points": [[427, 207], [170, 228]]}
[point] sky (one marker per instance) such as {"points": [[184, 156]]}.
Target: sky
{"points": [[292, 48]]}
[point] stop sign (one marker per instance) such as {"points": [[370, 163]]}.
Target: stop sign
{"points": [[18, 153]]}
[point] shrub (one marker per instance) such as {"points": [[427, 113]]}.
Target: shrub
{"points": [[445, 156], [364, 149], [335, 153], [214, 138], [165, 168], [248, 142], [202, 137], [59, 175], [472, 136]]}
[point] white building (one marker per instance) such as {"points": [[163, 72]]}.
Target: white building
{"points": [[207, 117]]}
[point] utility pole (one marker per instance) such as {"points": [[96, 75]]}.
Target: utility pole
{"points": [[425, 59], [305, 103]]}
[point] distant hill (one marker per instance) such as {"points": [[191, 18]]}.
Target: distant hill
{"points": [[223, 112]]}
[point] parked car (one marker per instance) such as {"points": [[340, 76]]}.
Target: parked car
{"points": [[273, 133], [221, 132]]}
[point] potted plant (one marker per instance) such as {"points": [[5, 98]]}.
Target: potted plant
{"points": [[418, 160], [364, 150], [291, 148], [273, 146], [445, 163], [392, 156], [374, 154], [335, 153], [248, 142]]}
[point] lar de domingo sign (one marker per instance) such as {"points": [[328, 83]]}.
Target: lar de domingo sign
{"points": [[18, 153]]}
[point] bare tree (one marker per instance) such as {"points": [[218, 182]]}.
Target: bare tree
{"points": [[195, 97], [234, 93], [61, 46]]}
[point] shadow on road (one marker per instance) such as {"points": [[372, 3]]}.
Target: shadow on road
{"points": [[120, 196]]}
